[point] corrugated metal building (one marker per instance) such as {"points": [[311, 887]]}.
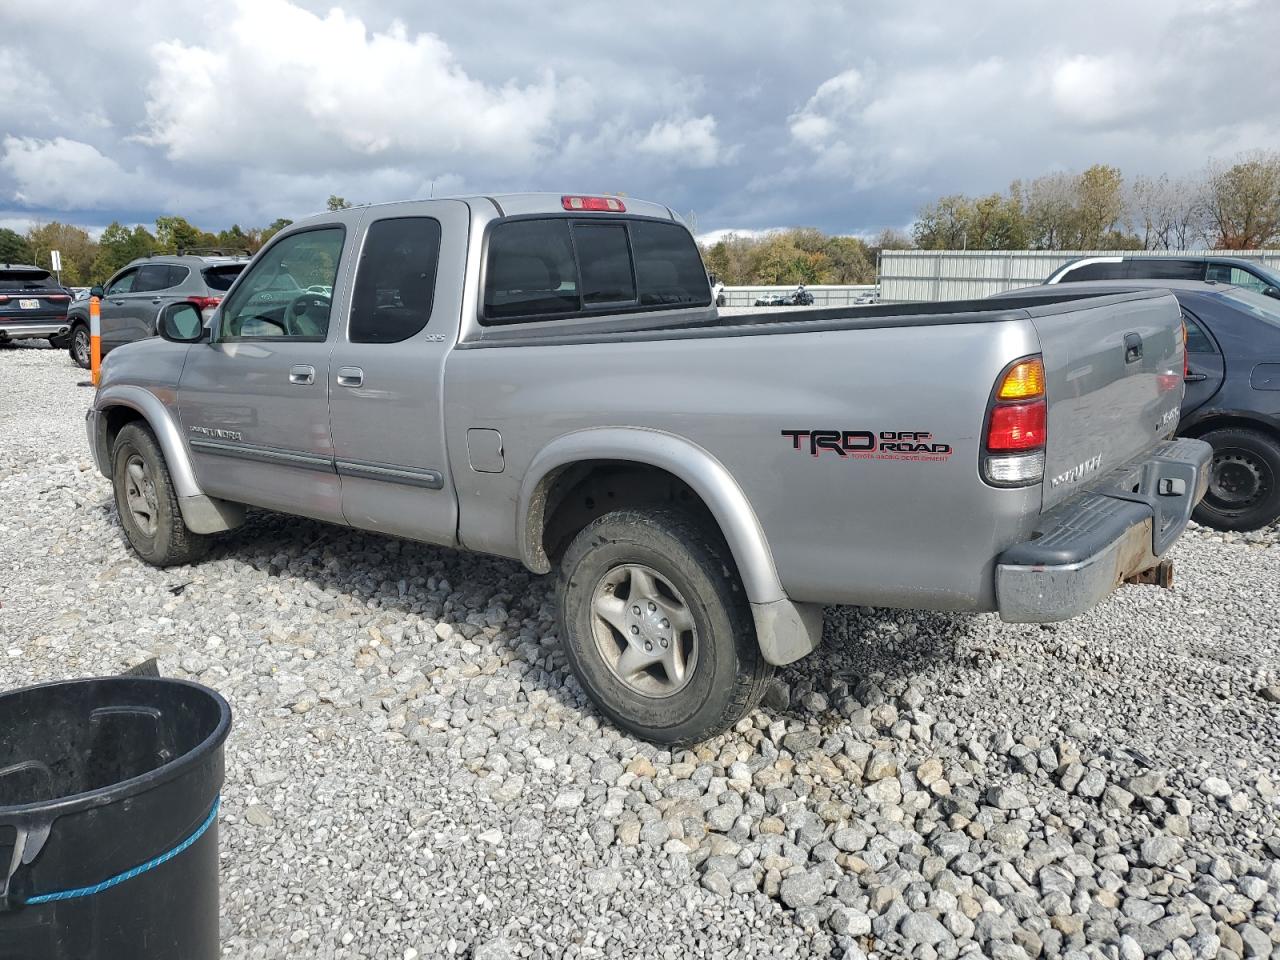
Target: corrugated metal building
{"points": [[914, 275]]}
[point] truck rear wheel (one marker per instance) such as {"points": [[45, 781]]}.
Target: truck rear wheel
{"points": [[657, 628], [147, 502], [1244, 480]]}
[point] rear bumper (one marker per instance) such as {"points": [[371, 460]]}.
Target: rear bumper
{"points": [[1089, 545], [32, 329]]}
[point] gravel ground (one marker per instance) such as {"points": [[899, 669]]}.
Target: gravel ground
{"points": [[412, 772]]}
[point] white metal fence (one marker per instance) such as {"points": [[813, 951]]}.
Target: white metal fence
{"points": [[929, 275], [826, 295]]}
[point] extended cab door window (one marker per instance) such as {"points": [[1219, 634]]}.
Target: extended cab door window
{"points": [[554, 268], [668, 267], [396, 280], [531, 272], [288, 292]]}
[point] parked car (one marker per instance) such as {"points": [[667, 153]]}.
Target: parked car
{"points": [[1232, 398], [130, 300], [546, 378], [32, 305], [1237, 271], [773, 300]]}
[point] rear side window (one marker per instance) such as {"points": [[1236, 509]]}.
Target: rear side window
{"points": [[151, 276], [1166, 270], [221, 278], [18, 279], [177, 274], [1096, 271], [556, 267], [668, 268], [1197, 340], [396, 280]]}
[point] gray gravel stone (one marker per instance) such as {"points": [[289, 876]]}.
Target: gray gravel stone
{"points": [[406, 728]]}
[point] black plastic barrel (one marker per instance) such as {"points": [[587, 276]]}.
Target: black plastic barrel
{"points": [[109, 795]]}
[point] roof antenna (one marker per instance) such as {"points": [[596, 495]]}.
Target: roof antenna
{"points": [[432, 194]]}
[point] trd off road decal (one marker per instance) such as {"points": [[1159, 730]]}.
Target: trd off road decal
{"points": [[870, 444]]}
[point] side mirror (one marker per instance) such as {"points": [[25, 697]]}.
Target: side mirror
{"points": [[95, 291], [181, 322], [1272, 292]]}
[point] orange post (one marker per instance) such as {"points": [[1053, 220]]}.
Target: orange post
{"points": [[95, 340]]}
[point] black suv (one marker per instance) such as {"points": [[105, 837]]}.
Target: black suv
{"points": [[133, 297], [1233, 270], [32, 305]]}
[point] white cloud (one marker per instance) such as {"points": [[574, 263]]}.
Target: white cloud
{"points": [[1099, 90], [279, 85], [691, 142], [68, 174]]}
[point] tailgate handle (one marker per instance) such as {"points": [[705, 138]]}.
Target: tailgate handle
{"points": [[1132, 348]]}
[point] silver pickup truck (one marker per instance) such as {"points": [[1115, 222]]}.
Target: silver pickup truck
{"points": [[547, 378]]}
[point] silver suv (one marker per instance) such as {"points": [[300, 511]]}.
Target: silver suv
{"points": [[131, 299]]}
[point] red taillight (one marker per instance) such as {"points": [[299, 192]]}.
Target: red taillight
{"points": [[57, 297], [205, 303], [599, 204], [1017, 427], [1186, 361], [4, 299]]}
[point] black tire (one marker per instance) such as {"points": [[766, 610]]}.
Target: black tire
{"points": [[170, 543], [1244, 485], [728, 676], [78, 346]]}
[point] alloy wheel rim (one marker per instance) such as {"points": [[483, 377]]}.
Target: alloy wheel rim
{"points": [[82, 347], [140, 495], [644, 630]]}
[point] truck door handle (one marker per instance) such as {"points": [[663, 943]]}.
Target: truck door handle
{"points": [[302, 374], [155, 300], [350, 376], [1195, 377], [1132, 348]]}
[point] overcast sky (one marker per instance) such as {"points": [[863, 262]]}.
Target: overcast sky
{"points": [[837, 115]]}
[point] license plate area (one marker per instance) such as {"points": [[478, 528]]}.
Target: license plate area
{"points": [[30, 303]]}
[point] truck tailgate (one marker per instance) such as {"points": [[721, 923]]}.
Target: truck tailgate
{"points": [[1113, 371]]}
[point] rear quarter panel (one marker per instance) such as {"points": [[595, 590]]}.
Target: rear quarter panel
{"points": [[877, 529]]}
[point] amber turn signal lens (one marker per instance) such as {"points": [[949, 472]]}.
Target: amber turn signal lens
{"points": [[1024, 381]]}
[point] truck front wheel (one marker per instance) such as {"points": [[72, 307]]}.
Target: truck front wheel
{"points": [[657, 628], [147, 502]]}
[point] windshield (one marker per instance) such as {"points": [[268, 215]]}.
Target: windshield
{"points": [[1257, 305]]}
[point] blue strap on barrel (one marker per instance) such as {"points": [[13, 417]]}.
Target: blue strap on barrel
{"points": [[134, 872]]}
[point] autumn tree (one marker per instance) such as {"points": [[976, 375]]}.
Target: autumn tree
{"points": [[1242, 201], [74, 244]]}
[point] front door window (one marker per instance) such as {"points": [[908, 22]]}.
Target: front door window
{"points": [[288, 292]]}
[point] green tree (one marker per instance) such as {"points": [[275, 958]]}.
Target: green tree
{"points": [[276, 226], [336, 202], [118, 245], [944, 224], [13, 247]]}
